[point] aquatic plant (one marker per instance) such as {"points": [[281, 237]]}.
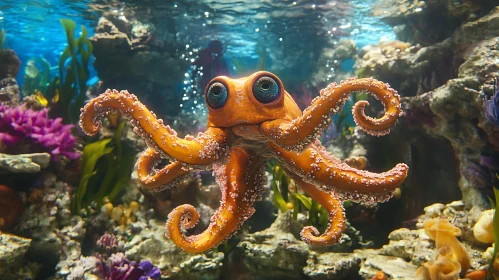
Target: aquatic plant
{"points": [[19, 125], [105, 169], [3, 36], [118, 267], [71, 85], [287, 198], [491, 106]]}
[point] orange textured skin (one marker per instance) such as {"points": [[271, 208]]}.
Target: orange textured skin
{"points": [[240, 136]]}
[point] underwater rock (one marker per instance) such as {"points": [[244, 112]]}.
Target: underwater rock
{"points": [[412, 18], [393, 267], [9, 64], [10, 94], [56, 234], [332, 265], [24, 163], [392, 62], [447, 115], [152, 244], [151, 69], [12, 256], [478, 30], [275, 252], [409, 249]]}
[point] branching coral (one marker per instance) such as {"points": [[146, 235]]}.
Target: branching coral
{"points": [[120, 268], [19, 125]]}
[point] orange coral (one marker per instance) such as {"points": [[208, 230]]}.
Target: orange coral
{"points": [[380, 276], [11, 207]]}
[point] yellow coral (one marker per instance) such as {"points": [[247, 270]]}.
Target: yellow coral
{"points": [[444, 233], [443, 268]]}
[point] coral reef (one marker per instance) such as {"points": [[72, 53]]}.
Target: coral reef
{"points": [[150, 64], [20, 126], [24, 163], [446, 111]]}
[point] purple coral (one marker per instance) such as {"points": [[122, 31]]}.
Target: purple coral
{"points": [[491, 106], [18, 124], [149, 271], [120, 268]]}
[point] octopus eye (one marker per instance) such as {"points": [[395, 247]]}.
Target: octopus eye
{"points": [[266, 89], [216, 95]]}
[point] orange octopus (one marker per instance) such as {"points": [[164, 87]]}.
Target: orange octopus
{"points": [[252, 120]]}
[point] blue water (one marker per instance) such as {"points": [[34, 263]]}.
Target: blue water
{"points": [[287, 30]]}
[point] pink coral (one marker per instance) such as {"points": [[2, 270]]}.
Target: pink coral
{"points": [[19, 124]]}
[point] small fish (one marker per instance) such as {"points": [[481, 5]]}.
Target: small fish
{"points": [[41, 99]]}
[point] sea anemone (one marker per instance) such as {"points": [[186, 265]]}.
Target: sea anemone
{"points": [[120, 268], [43, 134]]}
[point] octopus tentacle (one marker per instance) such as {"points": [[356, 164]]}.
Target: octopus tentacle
{"points": [[161, 179], [204, 149], [298, 133], [318, 167], [241, 181], [334, 207]]}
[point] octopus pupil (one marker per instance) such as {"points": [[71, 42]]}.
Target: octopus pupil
{"points": [[266, 85], [216, 90]]}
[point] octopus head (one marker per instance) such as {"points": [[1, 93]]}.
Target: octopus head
{"points": [[249, 100]]}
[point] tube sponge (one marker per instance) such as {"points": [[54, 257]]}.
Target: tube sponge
{"points": [[444, 233]]}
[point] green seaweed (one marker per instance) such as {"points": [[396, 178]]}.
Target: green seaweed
{"points": [[91, 154], [73, 73], [3, 36], [106, 166], [317, 215], [495, 227]]}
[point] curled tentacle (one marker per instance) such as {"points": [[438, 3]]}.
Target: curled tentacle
{"points": [[204, 149], [241, 181], [300, 132], [318, 167], [334, 207], [161, 179]]}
